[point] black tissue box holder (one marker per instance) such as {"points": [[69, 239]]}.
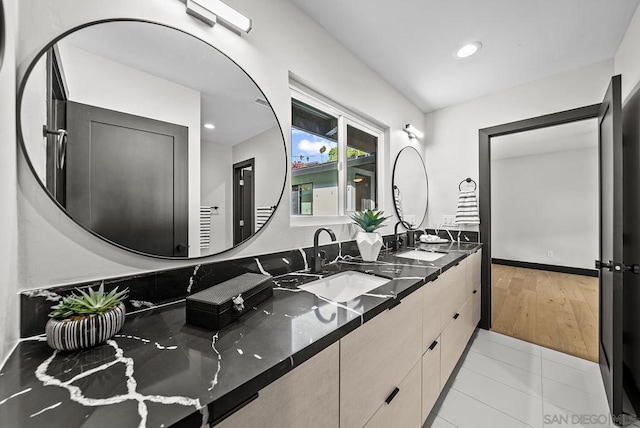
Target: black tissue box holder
{"points": [[218, 306]]}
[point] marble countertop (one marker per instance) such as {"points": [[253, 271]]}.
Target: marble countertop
{"points": [[161, 372]]}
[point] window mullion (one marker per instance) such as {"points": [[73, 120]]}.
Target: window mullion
{"points": [[342, 165]]}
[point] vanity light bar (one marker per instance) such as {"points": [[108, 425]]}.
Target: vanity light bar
{"points": [[413, 131], [210, 11]]}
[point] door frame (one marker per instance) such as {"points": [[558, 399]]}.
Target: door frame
{"points": [[237, 191], [57, 95], [485, 135]]}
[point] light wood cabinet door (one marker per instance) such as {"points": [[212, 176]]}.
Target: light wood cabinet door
{"points": [[454, 339], [431, 303], [474, 267], [453, 292], [307, 396], [404, 409], [376, 357], [431, 385], [476, 299]]}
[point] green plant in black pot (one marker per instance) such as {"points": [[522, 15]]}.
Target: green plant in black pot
{"points": [[85, 319]]}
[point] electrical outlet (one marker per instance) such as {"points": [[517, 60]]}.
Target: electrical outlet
{"points": [[411, 219], [549, 253], [448, 220]]}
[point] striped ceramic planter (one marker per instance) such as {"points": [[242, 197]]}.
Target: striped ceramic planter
{"points": [[69, 335]]}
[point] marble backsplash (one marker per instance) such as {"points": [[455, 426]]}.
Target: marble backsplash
{"points": [[154, 289]]}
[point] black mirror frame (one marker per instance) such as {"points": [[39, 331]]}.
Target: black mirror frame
{"points": [[3, 34], [22, 144], [393, 186]]}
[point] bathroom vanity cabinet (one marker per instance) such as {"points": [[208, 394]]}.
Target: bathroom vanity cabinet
{"points": [[307, 396], [377, 358], [388, 372]]}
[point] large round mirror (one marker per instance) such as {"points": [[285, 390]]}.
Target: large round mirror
{"points": [[152, 139], [410, 187]]}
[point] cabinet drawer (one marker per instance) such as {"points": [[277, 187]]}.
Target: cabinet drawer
{"points": [[404, 409], [430, 313], [453, 292], [307, 396], [431, 385], [454, 340], [376, 357]]}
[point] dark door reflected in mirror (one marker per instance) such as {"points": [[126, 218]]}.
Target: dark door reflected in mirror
{"points": [[137, 130], [410, 187]]}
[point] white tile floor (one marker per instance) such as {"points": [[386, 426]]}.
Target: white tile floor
{"points": [[507, 383]]}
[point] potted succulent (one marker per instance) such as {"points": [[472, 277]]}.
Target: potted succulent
{"points": [[369, 241], [86, 319]]}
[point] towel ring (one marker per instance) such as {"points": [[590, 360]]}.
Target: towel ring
{"points": [[468, 180]]}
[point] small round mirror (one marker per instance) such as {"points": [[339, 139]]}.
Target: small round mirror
{"points": [[410, 187], [2, 33], [152, 139]]}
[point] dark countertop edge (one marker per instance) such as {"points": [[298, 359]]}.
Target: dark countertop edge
{"points": [[234, 400]]}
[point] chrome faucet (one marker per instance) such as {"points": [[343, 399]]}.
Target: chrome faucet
{"points": [[397, 241], [318, 257]]}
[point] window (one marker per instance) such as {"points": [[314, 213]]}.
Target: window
{"points": [[361, 169], [302, 199], [334, 165]]}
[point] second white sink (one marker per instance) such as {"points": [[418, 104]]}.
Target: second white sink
{"points": [[344, 286], [426, 256]]}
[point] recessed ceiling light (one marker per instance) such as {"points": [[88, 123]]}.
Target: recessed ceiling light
{"points": [[468, 49], [209, 126]]}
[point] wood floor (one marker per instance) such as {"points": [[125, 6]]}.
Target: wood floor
{"points": [[551, 309]]}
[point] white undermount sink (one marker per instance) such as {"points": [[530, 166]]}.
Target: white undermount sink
{"points": [[344, 286], [426, 256]]}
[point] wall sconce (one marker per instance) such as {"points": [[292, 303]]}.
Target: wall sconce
{"points": [[412, 131], [212, 11]]}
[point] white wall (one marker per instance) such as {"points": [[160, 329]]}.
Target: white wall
{"points": [[546, 202], [8, 184], [284, 40], [452, 133], [34, 115], [627, 59], [100, 82], [270, 167], [216, 190]]}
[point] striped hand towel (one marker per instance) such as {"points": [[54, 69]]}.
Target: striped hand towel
{"points": [[467, 212]]}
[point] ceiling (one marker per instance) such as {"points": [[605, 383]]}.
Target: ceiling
{"points": [[411, 43], [227, 94], [570, 136]]}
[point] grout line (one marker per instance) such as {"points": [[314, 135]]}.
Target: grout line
{"points": [[535, 398], [509, 364], [445, 419], [491, 407], [603, 397], [505, 384], [487, 336], [588, 372], [570, 356], [569, 412]]}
